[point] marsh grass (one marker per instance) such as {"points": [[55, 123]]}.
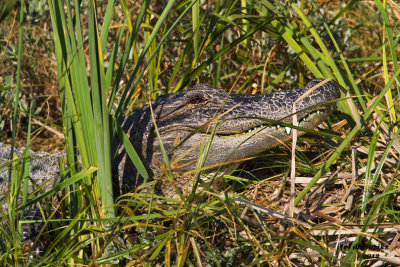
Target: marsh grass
{"points": [[249, 46]]}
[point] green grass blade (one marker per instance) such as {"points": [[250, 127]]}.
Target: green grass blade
{"points": [[26, 155], [111, 62], [101, 121], [387, 30], [370, 161], [153, 55], [18, 84], [378, 171], [325, 56], [287, 35], [105, 28], [195, 27], [344, 10], [131, 152], [74, 179]]}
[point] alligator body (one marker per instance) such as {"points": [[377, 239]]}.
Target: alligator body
{"points": [[224, 128]]}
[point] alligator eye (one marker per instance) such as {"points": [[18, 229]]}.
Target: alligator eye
{"points": [[196, 100]]}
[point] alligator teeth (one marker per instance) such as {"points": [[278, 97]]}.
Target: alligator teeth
{"points": [[288, 130]]}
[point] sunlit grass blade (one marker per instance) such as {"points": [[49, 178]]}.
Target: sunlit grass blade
{"points": [[387, 32], [196, 26]]}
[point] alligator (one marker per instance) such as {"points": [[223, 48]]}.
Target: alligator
{"points": [[224, 128], [228, 128]]}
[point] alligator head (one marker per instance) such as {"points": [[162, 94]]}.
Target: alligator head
{"points": [[225, 128]]}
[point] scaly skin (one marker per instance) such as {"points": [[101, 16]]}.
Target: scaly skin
{"points": [[186, 121]]}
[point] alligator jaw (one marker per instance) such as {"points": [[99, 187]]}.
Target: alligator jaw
{"points": [[236, 147], [276, 127]]}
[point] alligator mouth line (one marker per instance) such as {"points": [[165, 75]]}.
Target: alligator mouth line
{"points": [[311, 118]]}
